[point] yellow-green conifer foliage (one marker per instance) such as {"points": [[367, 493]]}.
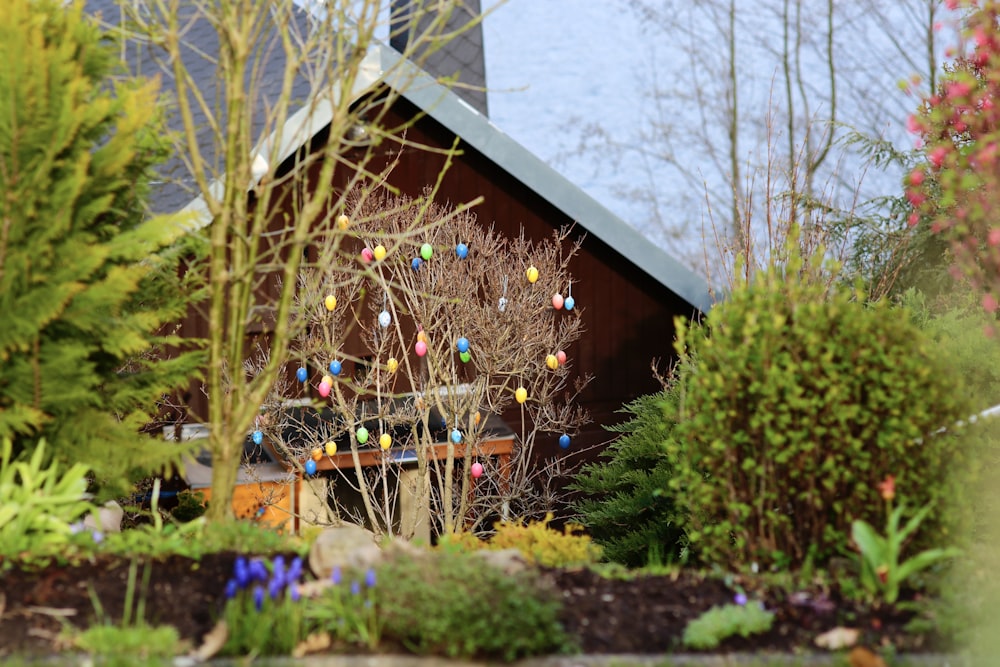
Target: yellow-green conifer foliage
{"points": [[87, 285]]}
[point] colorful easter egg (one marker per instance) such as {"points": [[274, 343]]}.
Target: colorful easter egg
{"points": [[367, 255], [456, 436], [310, 467], [330, 302], [561, 357], [330, 448], [532, 274], [564, 441], [385, 441], [521, 395], [476, 418], [462, 250], [258, 437], [336, 367], [476, 469], [384, 319], [343, 222], [416, 263], [327, 380], [426, 251], [392, 364], [379, 252], [420, 348], [552, 361], [324, 389], [302, 375], [570, 303], [465, 357], [317, 453], [557, 301], [502, 304], [362, 435], [421, 336], [462, 344]]}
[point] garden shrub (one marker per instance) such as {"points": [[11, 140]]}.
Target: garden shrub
{"points": [[539, 543], [797, 400], [453, 605], [722, 622], [624, 503]]}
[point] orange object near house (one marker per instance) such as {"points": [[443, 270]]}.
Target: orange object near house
{"points": [[271, 503]]}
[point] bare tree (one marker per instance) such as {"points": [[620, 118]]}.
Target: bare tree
{"points": [[445, 332]]}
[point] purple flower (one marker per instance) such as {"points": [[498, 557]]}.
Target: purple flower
{"points": [[740, 599], [336, 576], [274, 588], [294, 570], [278, 569], [75, 527], [258, 572], [370, 578], [293, 592], [231, 588], [241, 572], [97, 536], [355, 588], [258, 597]]}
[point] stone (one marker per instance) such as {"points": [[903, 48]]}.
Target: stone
{"points": [[108, 518], [508, 561], [344, 546]]}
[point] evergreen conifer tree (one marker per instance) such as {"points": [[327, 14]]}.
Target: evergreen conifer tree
{"points": [[88, 285], [626, 504]]}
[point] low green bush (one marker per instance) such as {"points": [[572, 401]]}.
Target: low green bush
{"points": [[537, 541], [798, 399], [624, 503], [721, 622], [454, 605]]}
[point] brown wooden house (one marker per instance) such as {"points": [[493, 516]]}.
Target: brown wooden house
{"points": [[630, 289]]}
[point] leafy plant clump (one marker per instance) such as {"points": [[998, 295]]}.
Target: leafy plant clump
{"points": [[721, 622], [624, 506], [796, 400], [537, 541], [453, 605]]}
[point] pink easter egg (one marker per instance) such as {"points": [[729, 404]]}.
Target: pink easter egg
{"points": [[324, 389], [561, 357], [420, 348], [367, 256], [557, 301], [476, 470]]}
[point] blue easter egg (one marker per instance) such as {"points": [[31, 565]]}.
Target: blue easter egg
{"points": [[258, 437], [310, 467], [462, 250], [335, 367], [564, 441], [569, 303], [456, 436], [416, 263], [302, 375], [462, 344]]}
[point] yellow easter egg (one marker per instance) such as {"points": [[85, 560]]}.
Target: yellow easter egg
{"points": [[477, 417], [330, 301], [385, 441], [392, 364], [327, 380], [331, 448], [521, 394], [379, 253], [343, 222], [552, 361], [421, 337], [532, 274]]}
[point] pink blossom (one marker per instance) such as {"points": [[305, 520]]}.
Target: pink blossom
{"points": [[994, 237], [913, 126], [956, 89], [913, 219], [917, 177], [937, 156], [916, 198], [989, 303]]}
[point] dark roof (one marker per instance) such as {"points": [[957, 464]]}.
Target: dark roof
{"points": [[384, 64]]}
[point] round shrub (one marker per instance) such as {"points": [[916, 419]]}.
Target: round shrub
{"points": [[455, 605], [797, 401], [623, 502]]}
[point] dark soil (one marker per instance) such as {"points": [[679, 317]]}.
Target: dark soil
{"points": [[645, 614]]}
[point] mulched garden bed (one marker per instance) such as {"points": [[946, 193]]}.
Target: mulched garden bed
{"points": [[638, 614]]}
